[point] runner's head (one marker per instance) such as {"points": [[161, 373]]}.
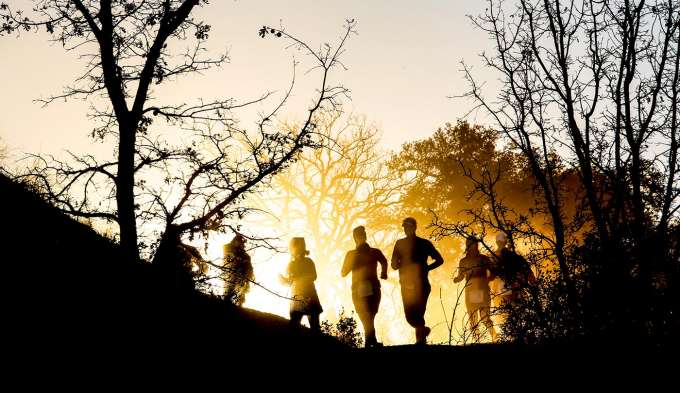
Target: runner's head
{"points": [[238, 240], [409, 224], [471, 247], [298, 248], [501, 240], [359, 234]]}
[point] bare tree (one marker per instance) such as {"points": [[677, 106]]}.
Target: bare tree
{"points": [[327, 192], [593, 82], [127, 47], [335, 189], [227, 165]]}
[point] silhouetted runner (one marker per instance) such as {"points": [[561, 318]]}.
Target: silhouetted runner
{"points": [[363, 263], [238, 270], [410, 258], [476, 269], [301, 275], [513, 271]]}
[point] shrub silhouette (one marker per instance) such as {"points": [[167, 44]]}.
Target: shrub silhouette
{"points": [[345, 330]]}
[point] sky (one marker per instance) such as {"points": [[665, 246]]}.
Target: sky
{"points": [[402, 67]]}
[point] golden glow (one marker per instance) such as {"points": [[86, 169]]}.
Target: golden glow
{"points": [[334, 291]]}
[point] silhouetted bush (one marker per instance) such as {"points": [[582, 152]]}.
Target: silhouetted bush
{"points": [[614, 301], [345, 330]]}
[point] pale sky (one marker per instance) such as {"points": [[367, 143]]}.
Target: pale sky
{"points": [[402, 66]]}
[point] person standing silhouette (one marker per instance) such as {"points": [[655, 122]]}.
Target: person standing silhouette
{"points": [[363, 263], [238, 270], [300, 275], [512, 269], [410, 257], [476, 269]]}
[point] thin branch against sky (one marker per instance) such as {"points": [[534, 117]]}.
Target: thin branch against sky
{"points": [[403, 66]]}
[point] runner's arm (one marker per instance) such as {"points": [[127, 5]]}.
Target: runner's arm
{"points": [[383, 265], [459, 277], [285, 278], [346, 266], [396, 258], [438, 259]]}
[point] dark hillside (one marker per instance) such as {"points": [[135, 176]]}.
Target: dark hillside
{"points": [[68, 295], [66, 288]]}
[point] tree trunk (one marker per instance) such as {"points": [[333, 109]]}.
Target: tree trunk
{"points": [[125, 192], [565, 272], [638, 204]]}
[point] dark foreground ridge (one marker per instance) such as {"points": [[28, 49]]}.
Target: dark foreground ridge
{"points": [[69, 296], [68, 289]]}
